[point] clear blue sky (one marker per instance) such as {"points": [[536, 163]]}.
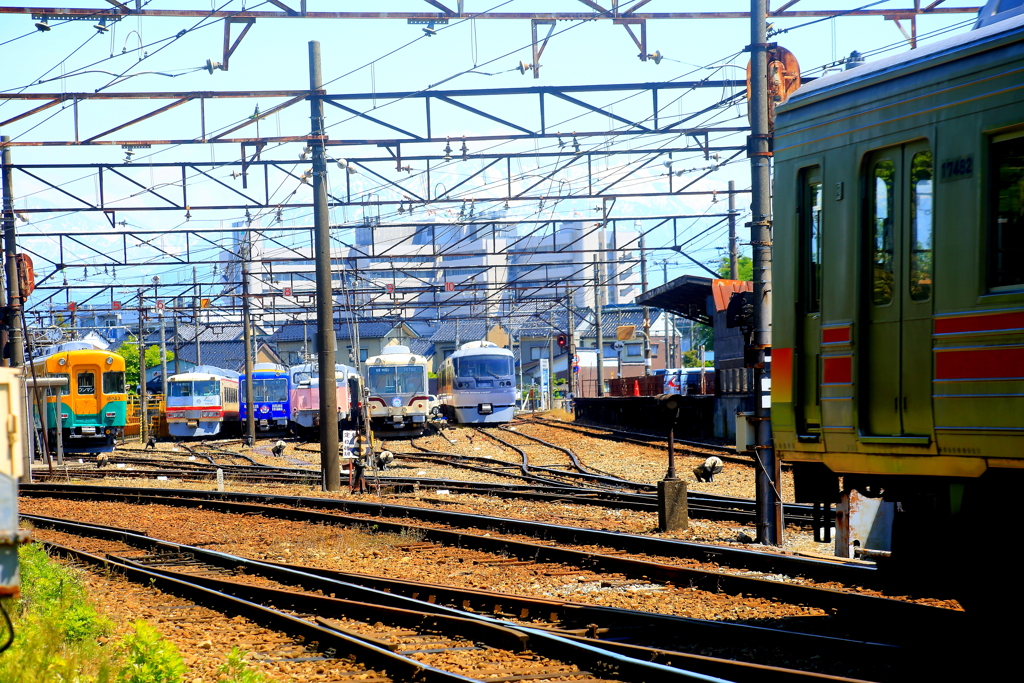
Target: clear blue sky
{"points": [[274, 56]]}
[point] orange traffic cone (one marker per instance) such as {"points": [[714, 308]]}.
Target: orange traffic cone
{"points": [[636, 387]]}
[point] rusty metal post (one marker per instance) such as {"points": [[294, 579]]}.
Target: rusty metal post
{"points": [[329, 456], [768, 477], [14, 303], [673, 507]]}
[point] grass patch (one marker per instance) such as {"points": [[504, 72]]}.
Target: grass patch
{"points": [[60, 636]]}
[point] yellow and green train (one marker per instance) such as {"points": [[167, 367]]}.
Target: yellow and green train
{"points": [[92, 406], [898, 315]]}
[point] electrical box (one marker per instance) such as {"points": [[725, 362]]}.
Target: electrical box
{"points": [[12, 435], [746, 433]]}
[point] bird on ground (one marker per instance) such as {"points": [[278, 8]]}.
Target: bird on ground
{"points": [[278, 448], [709, 469]]}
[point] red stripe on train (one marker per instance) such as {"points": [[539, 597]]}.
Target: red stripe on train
{"points": [[835, 335], [838, 370], [980, 364], [980, 323]]}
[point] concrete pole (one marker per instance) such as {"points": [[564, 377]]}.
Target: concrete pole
{"points": [[177, 349], [647, 311], [768, 482], [572, 346], [329, 456], [143, 413], [733, 251], [598, 328], [195, 319], [14, 303], [250, 417], [163, 355], [15, 341]]}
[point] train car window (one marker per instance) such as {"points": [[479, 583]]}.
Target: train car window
{"points": [[884, 175], [64, 390], [86, 384], [410, 379], [810, 214], [113, 382], [1006, 226], [179, 389], [230, 395], [270, 390], [921, 227]]}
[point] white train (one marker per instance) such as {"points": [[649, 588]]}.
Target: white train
{"points": [[202, 402], [305, 395], [398, 396], [477, 383]]}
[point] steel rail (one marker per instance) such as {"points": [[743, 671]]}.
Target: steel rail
{"points": [[411, 603], [886, 612]]}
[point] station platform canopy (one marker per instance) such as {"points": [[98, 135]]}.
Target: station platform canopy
{"points": [[686, 296]]}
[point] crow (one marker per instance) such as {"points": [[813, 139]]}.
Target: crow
{"points": [[278, 448], [151, 444], [708, 470]]}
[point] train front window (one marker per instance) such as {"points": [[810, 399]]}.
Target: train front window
{"points": [[882, 235], [206, 387], [1006, 215], [921, 267], [483, 367], [86, 384], [270, 390], [179, 389], [410, 379], [113, 382]]}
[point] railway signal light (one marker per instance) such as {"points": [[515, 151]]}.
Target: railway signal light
{"points": [[562, 341]]}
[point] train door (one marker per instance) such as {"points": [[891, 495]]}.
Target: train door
{"points": [[896, 357], [808, 376], [86, 387]]}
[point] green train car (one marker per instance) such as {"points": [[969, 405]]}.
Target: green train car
{"points": [[898, 315]]}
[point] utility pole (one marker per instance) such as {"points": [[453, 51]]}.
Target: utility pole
{"points": [[163, 343], [143, 413], [671, 319], [733, 252], [571, 385], [647, 311], [15, 340], [598, 329], [195, 318], [14, 303], [768, 476], [177, 349], [250, 418], [329, 457]]}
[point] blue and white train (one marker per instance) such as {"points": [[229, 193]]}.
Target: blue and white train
{"points": [[271, 397], [477, 384]]}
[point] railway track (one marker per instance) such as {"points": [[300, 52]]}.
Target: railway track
{"points": [[480, 634], [572, 486], [457, 634], [726, 453], [626, 554]]}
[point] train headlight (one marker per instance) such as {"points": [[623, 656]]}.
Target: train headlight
{"points": [[110, 360], [62, 361]]}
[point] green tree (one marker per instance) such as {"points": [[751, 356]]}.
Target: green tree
{"points": [[129, 350], [744, 267]]}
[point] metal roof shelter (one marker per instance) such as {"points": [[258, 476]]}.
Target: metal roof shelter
{"points": [[686, 296]]}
